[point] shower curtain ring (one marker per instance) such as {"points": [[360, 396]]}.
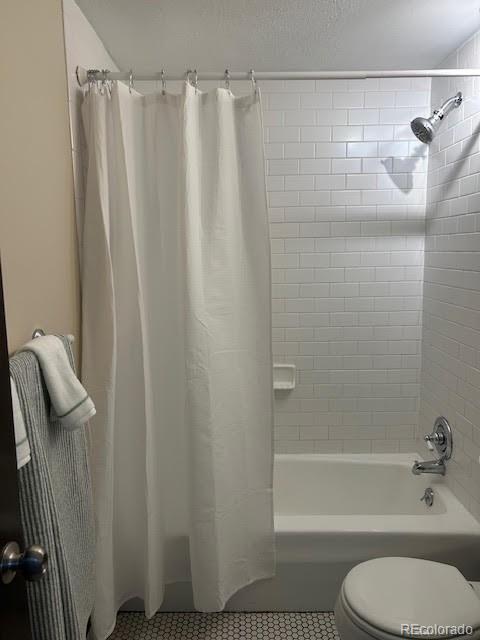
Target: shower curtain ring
{"points": [[251, 73], [194, 83], [227, 79], [100, 79], [105, 83], [130, 81], [164, 84]]}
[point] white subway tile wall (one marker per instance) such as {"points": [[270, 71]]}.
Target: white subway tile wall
{"points": [[451, 333], [346, 183]]}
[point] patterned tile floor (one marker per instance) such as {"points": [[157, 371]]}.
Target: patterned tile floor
{"points": [[226, 626]]}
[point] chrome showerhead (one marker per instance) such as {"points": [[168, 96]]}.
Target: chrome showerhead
{"points": [[426, 128]]}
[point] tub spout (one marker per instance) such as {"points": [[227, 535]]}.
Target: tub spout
{"points": [[430, 466]]}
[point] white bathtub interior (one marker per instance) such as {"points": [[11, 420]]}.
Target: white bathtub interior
{"points": [[362, 484]]}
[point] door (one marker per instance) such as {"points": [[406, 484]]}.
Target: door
{"points": [[14, 620]]}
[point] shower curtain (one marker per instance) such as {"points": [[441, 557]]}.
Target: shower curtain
{"points": [[177, 345]]}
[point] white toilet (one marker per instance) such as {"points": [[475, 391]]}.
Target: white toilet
{"points": [[392, 598]]}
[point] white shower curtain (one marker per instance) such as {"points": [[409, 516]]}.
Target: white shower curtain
{"points": [[177, 345]]}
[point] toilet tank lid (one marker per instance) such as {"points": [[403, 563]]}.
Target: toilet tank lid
{"points": [[390, 592]]}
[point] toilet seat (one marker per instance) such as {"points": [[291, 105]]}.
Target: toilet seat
{"points": [[380, 595]]}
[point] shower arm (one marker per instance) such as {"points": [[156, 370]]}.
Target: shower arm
{"points": [[450, 104]]}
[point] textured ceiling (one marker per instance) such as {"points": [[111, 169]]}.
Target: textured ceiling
{"points": [[277, 35]]}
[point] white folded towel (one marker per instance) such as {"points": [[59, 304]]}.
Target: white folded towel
{"points": [[71, 403], [21, 440]]}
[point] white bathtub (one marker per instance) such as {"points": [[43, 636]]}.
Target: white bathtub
{"points": [[334, 511]]}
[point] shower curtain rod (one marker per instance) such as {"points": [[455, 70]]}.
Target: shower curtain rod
{"points": [[86, 75]]}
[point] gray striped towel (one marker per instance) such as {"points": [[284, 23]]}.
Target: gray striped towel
{"points": [[56, 508]]}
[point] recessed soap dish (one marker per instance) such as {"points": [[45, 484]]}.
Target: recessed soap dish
{"points": [[284, 376]]}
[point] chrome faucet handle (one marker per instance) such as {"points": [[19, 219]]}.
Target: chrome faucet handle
{"points": [[440, 440], [429, 443], [434, 438]]}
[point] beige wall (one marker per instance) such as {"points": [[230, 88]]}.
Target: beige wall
{"points": [[37, 221]]}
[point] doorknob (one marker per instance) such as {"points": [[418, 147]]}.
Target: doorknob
{"points": [[32, 563]]}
